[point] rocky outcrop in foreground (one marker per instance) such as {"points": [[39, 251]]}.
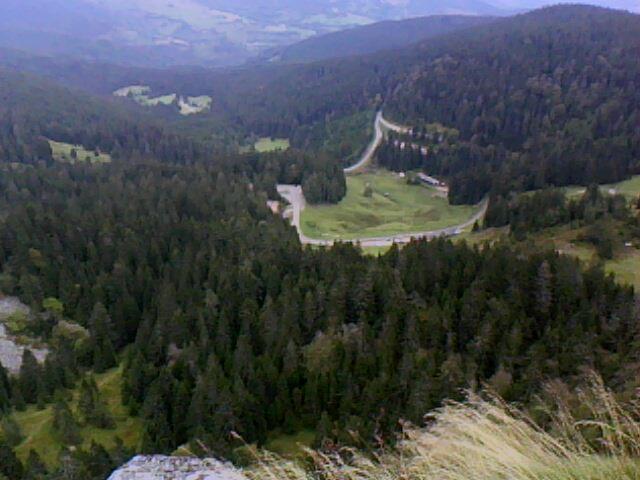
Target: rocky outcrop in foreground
{"points": [[159, 467]]}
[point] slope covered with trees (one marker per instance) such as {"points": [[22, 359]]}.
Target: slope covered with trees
{"points": [[547, 98], [544, 98], [372, 38], [33, 110], [231, 326]]}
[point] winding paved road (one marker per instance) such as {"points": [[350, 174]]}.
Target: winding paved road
{"points": [[297, 203], [380, 125]]}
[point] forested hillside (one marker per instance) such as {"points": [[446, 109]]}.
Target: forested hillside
{"points": [[542, 98], [231, 326], [548, 98], [371, 38], [33, 110]]}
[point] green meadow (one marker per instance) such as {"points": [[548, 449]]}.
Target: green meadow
{"points": [[63, 152], [394, 207], [267, 144], [37, 424]]}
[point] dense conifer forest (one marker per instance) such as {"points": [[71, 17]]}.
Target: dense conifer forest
{"points": [[224, 323], [544, 98], [553, 101]]}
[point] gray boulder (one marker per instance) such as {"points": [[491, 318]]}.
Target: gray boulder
{"points": [[159, 467]]}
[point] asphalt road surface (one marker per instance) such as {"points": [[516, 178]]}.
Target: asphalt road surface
{"points": [[380, 125]]}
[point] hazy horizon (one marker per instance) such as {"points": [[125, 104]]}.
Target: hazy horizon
{"points": [[211, 32]]}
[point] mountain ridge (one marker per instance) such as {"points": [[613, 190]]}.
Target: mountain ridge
{"points": [[161, 33], [385, 35]]}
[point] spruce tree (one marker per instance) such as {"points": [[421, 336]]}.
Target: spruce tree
{"points": [[92, 409], [35, 469], [104, 356], [10, 466], [30, 380], [11, 432], [5, 390], [65, 424]]}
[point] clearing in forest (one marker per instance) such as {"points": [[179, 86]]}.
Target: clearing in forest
{"points": [[68, 153], [380, 204], [39, 434], [267, 144], [141, 94], [629, 188]]}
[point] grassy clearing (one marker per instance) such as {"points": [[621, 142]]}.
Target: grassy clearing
{"points": [[629, 188], [489, 235], [486, 439], [266, 144], [38, 424], [375, 251], [625, 265], [290, 446], [132, 91], [393, 208], [141, 94], [155, 101], [62, 152], [194, 105]]}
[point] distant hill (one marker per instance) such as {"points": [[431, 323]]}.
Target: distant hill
{"points": [[546, 97], [379, 36], [543, 98], [153, 33], [34, 109]]}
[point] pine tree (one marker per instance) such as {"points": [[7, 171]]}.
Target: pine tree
{"points": [[158, 435], [104, 356], [11, 432], [93, 411], [97, 462], [324, 430], [70, 468], [5, 390], [10, 466], [65, 424], [35, 469], [30, 378]]}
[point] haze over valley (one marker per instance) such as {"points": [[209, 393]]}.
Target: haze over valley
{"points": [[207, 32]]}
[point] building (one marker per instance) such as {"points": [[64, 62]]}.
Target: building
{"points": [[433, 182]]}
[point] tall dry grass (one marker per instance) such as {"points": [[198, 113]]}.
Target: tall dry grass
{"points": [[484, 438]]}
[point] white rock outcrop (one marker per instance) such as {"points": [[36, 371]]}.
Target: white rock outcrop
{"points": [[11, 349], [159, 467]]}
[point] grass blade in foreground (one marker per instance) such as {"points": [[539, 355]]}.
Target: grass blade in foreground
{"points": [[486, 439]]}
